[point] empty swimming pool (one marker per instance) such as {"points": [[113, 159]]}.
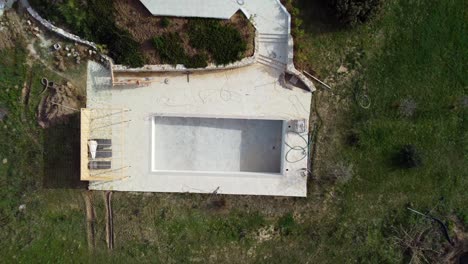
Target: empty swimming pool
{"points": [[216, 144]]}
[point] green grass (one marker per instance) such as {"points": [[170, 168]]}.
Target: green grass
{"points": [[412, 52], [50, 229]]}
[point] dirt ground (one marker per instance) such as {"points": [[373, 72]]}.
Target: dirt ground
{"points": [[10, 29], [134, 17]]}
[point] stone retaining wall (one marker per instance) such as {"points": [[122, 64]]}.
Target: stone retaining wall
{"points": [[59, 31]]}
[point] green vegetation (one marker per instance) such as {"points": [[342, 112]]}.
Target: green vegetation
{"points": [[223, 42], [169, 47], [407, 62], [48, 229], [165, 22], [93, 20]]}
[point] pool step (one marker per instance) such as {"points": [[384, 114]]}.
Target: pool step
{"points": [[262, 59], [272, 38]]}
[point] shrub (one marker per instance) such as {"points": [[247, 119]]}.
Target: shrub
{"points": [[165, 22], [462, 216], [223, 42], [197, 61], [286, 224], [171, 51], [169, 47], [352, 12], [407, 157]]}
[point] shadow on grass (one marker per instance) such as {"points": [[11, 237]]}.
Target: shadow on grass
{"points": [[62, 155], [318, 17]]}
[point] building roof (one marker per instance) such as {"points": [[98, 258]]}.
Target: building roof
{"points": [[222, 9]]}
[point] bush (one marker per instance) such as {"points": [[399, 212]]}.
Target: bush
{"points": [[407, 157], [169, 47], [171, 51], [197, 61], [352, 12], [286, 224], [223, 42], [165, 22]]}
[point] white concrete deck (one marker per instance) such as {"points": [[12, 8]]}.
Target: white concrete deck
{"points": [[5, 5], [252, 92]]}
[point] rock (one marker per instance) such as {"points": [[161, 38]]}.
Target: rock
{"points": [[29, 22], [90, 52], [61, 66], [342, 69], [68, 54], [69, 84], [67, 48], [5, 161], [22, 207]]}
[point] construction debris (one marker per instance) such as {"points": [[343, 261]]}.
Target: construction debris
{"points": [[109, 221], [342, 69]]}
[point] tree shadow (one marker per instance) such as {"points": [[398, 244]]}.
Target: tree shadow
{"points": [[62, 155], [317, 16]]}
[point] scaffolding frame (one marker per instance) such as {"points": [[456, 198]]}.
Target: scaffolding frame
{"points": [[103, 123]]}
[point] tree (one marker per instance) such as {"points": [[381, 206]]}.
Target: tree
{"points": [[352, 12]]}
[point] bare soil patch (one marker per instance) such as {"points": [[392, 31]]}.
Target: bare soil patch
{"points": [[59, 103], [143, 26], [10, 29]]}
